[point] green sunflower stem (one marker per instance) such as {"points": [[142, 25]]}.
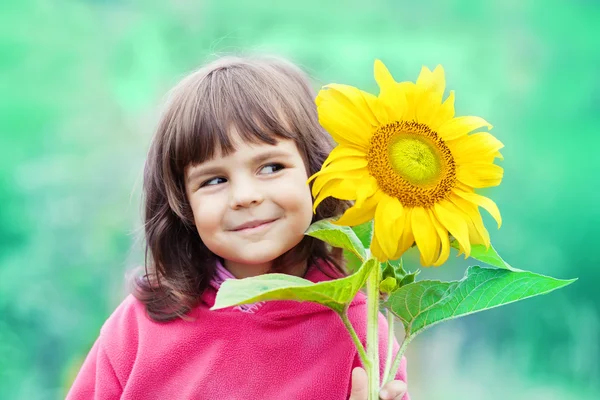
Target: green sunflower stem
{"points": [[359, 346], [373, 331], [398, 360], [390, 346]]}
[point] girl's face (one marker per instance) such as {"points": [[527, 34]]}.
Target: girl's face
{"points": [[252, 205]]}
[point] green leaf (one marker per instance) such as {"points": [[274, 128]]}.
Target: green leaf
{"points": [[352, 262], [488, 256], [364, 233], [335, 294], [425, 303], [337, 236]]}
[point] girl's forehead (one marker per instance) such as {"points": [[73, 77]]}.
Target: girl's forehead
{"points": [[246, 155], [252, 150], [283, 147]]}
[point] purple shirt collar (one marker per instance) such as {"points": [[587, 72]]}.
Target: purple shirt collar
{"points": [[221, 275]]}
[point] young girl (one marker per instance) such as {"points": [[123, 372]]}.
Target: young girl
{"points": [[226, 198]]}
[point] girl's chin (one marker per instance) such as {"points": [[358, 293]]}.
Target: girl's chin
{"points": [[243, 270]]}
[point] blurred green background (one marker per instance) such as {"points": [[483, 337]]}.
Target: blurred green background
{"points": [[81, 85]]}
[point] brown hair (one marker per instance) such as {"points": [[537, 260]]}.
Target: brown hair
{"points": [[263, 99]]}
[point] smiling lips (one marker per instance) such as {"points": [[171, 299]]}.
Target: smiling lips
{"points": [[253, 224]]}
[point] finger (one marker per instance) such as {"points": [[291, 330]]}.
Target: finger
{"points": [[393, 390], [359, 389]]}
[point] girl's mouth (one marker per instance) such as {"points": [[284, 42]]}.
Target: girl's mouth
{"points": [[254, 226]]}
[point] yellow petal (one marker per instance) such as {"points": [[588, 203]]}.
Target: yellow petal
{"points": [[407, 238], [484, 202], [479, 175], [425, 235], [358, 215], [337, 174], [366, 188], [428, 95], [345, 123], [387, 213], [345, 189], [451, 218], [475, 148], [428, 263], [383, 77], [397, 231], [433, 82], [342, 165], [444, 239], [362, 103], [323, 178], [342, 152], [426, 107], [354, 178], [460, 126], [409, 90], [444, 113], [377, 251], [461, 251], [391, 93], [340, 189], [477, 232]]}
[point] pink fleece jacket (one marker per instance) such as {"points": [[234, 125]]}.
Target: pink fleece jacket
{"points": [[280, 350]]}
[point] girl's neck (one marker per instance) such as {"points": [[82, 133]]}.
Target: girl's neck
{"points": [[241, 271]]}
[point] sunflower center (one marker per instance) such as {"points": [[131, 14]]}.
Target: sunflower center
{"points": [[414, 159], [412, 163]]}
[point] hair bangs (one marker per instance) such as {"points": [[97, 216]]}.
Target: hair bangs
{"points": [[252, 103]]}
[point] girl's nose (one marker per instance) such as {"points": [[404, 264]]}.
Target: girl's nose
{"points": [[245, 194]]}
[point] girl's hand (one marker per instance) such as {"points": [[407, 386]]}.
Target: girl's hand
{"points": [[393, 390]]}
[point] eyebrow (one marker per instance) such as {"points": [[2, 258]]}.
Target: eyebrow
{"points": [[255, 160]]}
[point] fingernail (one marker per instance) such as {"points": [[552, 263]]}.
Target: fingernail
{"points": [[383, 394]]}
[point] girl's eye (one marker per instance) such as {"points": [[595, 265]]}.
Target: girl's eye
{"points": [[213, 181], [271, 168]]}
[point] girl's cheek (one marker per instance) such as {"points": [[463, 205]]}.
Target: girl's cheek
{"points": [[205, 206]]}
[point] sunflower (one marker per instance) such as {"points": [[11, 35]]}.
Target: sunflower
{"points": [[409, 164]]}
